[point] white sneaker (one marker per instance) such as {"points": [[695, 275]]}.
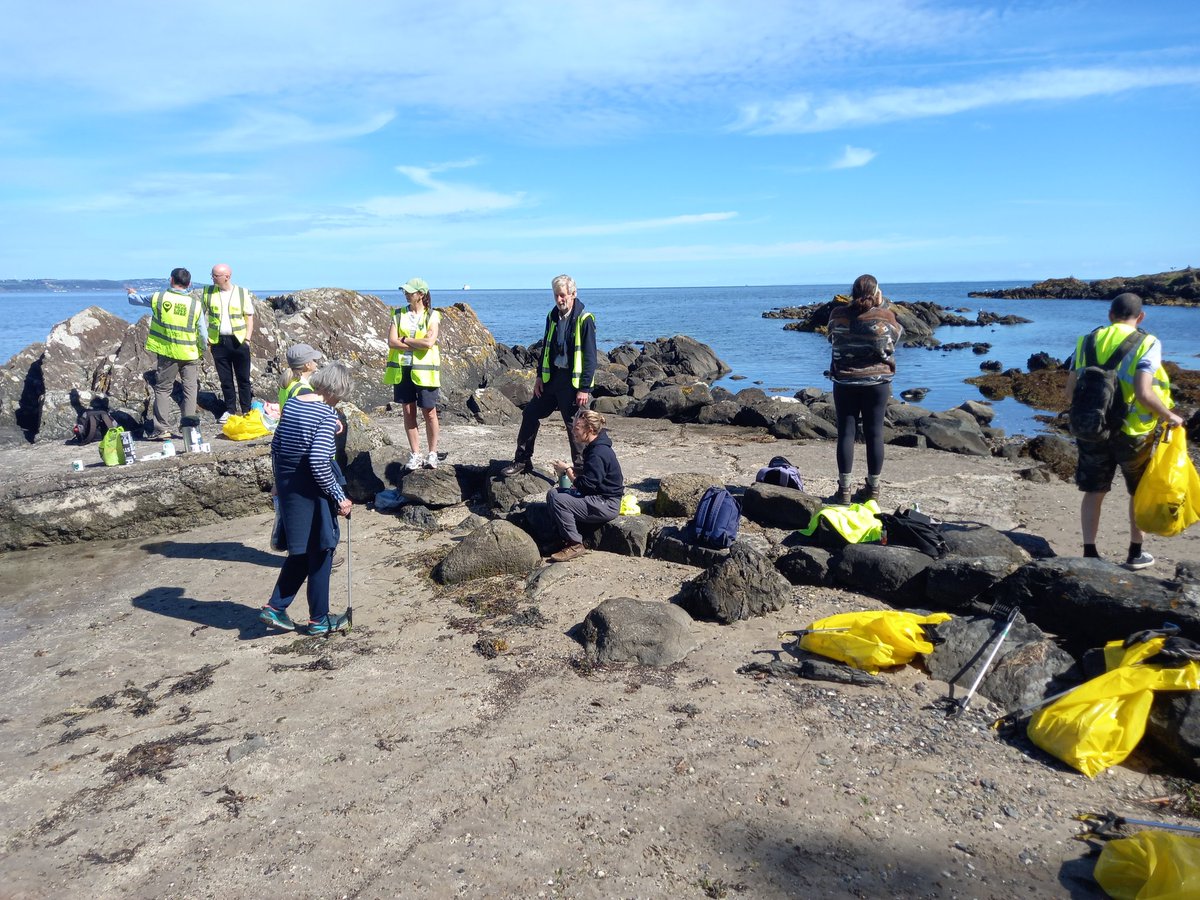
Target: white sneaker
{"points": [[223, 419], [431, 459], [415, 461]]}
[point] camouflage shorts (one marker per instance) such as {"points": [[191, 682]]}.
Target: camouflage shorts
{"points": [[1098, 462]]}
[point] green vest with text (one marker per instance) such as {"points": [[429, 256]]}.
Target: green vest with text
{"points": [[426, 364], [174, 325], [577, 358], [1138, 419], [237, 312], [292, 390]]}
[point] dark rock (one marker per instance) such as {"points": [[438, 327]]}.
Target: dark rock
{"points": [[1089, 601], [534, 518], [778, 507], [515, 384], [983, 413], [1187, 570], [974, 541], [491, 406], [679, 494], [497, 548], [906, 414], [612, 406], [505, 493], [682, 355], [953, 582], [953, 435], [1173, 730], [991, 365], [419, 517], [1033, 544], [610, 384], [915, 394], [1056, 453], [625, 355], [365, 453], [677, 403], [669, 543], [1041, 360], [720, 394], [810, 667], [800, 424], [625, 535], [722, 412], [1026, 669], [893, 574], [750, 396], [743, 585], [432, 487], [645, 632], [806, 565], [910, 440]]}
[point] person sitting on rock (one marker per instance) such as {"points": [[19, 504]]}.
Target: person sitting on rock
{"points": [[414, 368], [1146, 391], [597, 485], [564, 374], [863, 334], [302, 360]]}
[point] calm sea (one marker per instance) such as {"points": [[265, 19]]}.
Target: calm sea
{"points": [[729, 319]]}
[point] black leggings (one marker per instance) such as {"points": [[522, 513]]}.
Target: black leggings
{"points": [[870, 401]]}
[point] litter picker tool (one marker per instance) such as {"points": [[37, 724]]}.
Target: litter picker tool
{"points": [[1104, 825], [1009, 612], [349, 581]]}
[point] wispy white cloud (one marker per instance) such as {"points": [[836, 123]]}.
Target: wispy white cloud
{"points": [[810, 112], [265, 129], [182, 190], [441, 198], [853, 158]]}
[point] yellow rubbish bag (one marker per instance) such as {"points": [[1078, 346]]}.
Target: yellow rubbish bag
{"points": [[1098, 724], [1150, 865], [871, 640], [245, 428], [1167, 499]]}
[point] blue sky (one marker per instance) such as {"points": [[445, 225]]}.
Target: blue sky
{"points": [[627, 143]]}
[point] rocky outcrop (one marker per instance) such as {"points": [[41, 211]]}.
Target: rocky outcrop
{"points": [[644, 632], [1180, 287], [497, 548], [743, 585]]}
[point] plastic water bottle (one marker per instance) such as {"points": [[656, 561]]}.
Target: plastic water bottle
{"points": [[168, 448]]}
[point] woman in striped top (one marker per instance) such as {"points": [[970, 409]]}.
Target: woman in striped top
{"points": [[310, 499]]}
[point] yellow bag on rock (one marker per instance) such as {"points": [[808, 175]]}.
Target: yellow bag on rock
{"points": [[1167, 499], [1150, 865], [1098, 724], [872, 640], [245, 428]]}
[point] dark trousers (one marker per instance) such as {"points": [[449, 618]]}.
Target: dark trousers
{"points": [[559, 394], [570, 510], [870, 402], [315, 566], [231, 358]]}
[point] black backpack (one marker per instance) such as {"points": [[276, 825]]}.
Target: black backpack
{"points": [[715, 524], [914, 529], [92, 425], [1097, 404], [781, 472]]}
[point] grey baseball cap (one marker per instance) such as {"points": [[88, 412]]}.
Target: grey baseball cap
{"points": [[300, 354]]}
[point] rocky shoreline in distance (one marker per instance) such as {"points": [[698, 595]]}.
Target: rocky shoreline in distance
{"points": [[1176, 288]]}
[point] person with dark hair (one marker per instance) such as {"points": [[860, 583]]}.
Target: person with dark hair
{"points": [[1146, 392], [863, 334], [230, 311], [310, 499], [414, 367], [597, 485], [174, 337], [564, 375]]}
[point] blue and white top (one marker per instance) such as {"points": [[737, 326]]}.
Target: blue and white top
{"points": [[304, 440]]}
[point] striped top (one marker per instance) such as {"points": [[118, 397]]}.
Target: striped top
{"points": [[306, 431]]}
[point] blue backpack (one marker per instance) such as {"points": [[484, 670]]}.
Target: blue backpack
{"points": [[715, 524], [781, 472]]}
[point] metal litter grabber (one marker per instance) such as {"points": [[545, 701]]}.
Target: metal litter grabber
{"points": [[1009, 612], [1104, 825], [349, 582]]}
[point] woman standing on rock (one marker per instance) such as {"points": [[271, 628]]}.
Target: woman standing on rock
{"points": [[310, 499], [863, 333], [595, 495], [414, 367]]}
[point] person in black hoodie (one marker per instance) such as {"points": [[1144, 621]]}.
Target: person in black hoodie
{"points": [[598, 485], [564, 375]]}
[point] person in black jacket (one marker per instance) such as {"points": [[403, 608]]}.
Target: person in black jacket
{"points": [[564, 375], [598, 485]]}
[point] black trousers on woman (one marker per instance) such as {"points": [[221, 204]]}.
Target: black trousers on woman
{"points": [[868, 401]]}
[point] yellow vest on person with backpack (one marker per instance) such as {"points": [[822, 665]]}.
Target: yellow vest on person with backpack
{"points": [[174, 324], [1138, 420]]}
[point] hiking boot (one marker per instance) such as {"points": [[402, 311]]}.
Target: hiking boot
{"points": [[277, 617], [1141, 561], [415, 461], [338, 560], [431, 460], [157, 436], [840, 497], [328, 624], [517, 467], [569, 552], [865, 493]]}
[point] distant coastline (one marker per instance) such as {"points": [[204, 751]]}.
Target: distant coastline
{"points": [[69, 285], [1180, 287]]}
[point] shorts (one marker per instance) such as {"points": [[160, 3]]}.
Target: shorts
{"points": [[1098, 461], [409, 392]]}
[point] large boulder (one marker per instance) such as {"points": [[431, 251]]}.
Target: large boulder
{"points": [[671, 544], [678, 403], [743, 585], [497, 548], [1089, 602], [778, 507], [644, 632], [806, 565], [1026, 668], [505, 493], [434, 488], [366, 454], [974, 541], [1174, 730], [682, 355], [624, 535], [893, 574], [679, 494], [1055, 452], [490, 406], [954, 582], [954, 435]]}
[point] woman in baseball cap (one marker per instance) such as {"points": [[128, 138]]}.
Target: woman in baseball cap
{"points": [[302, 361]]}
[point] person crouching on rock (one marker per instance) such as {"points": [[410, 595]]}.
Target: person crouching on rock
{"points": [[310, 499], [863, 334], [414, 367], [302, 361], [595, 495]]}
